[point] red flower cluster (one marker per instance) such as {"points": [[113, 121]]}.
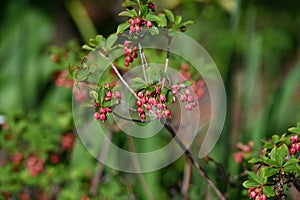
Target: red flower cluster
{"points": [[62, 79], [17, 158], [67, 141], [35, 165], [80, 94], [152, 101], [295, 147], [256, 193], [54, 158], [185, 95], [100, 111], [244, 151], [137, 23], [130, 52], [198, 86]]}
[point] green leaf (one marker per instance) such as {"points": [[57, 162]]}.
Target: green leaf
{"points": [[126, 14], [275, 138], [138, 83], [170, 15], [178, 20], [72, 69], [262, 175], [87, 47], [98, 41], [152, 74], [110, 103], [270, 162], [268, 145], [253, 177], [154, 30], [129, 4], [148, 1], [151, 89], [187, 83], [292, 161], [133, 12], [282, 153], [165, 75], [86, 105], [169, 97], [144, 10], [270, 171], [101, 94], [94, 95], [81, 75], [111, 41], [292, 168], [292, 165], [254, 161], [151, 17], [273, 153], [163, 21], [268, 191], [187, 23], [250, 184], [123, 27], [294, 130]]}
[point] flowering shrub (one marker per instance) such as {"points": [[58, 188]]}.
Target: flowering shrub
{"points": [[152, 93], [276, 168]]}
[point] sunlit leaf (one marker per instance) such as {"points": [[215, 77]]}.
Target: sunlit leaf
{"points": [[170, 15], [250, 184], [94, 95], [178, 20], [111, 41], [270, 171], [268, 191], [123, 27], [144, 10], [87, 47], [126, 14], [129, 4], [163, 21], [252, 176]]}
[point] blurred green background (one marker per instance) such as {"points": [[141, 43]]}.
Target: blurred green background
{"points": [[255, 45]]}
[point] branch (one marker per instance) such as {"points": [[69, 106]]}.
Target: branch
{"points": [[195, 163], [138, 168], [167, 59], [118, 74], [186, 180], [99, 169], [133, 120], [144, 61]]}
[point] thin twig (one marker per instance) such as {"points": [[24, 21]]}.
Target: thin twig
{"points": [[186, 180], [133, 120], [195, 163], [144, 61], [97, 176], [118, 74], [167, 59], [188, 155], [138, 168]]}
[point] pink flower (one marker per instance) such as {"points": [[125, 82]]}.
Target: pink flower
{"points": [[238, 157]]}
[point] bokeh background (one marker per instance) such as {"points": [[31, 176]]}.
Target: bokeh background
{"points": [[255, 45]]}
